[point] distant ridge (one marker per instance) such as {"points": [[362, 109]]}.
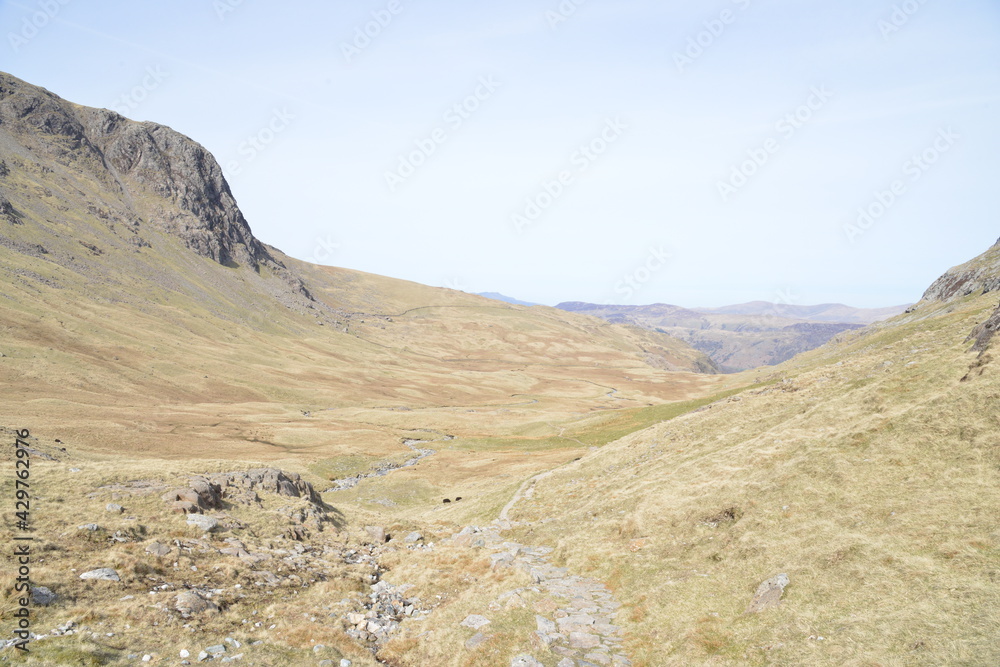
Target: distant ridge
{"points": [[496, 296], [743, 336]]}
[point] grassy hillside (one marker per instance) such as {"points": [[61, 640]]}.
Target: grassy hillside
{"points": [[869, 474]]}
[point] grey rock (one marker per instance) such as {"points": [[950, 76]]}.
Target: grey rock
{"points": [[42, 596], [566, 662], [475, 621], [345, 662], [476, 640], [190, 602], [158, 549], [114, 507], [204, 523], [92, 527], [584, 640], [524, 660], [376, 533], [101, 574], [545, 625], [414, 537], [215, 649], [768, 594]]}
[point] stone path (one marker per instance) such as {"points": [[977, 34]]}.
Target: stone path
{"points": [[579, 628]]}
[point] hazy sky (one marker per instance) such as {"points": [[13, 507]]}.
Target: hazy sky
{"points": [[628, 151]]}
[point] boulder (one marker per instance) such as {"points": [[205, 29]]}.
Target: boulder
{"points": [[101, 574], [376, 533], [190, 602], [204, 523], [158, 550], [42, 596]]}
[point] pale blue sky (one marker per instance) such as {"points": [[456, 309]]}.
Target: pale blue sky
{"points": [[673, 131]]}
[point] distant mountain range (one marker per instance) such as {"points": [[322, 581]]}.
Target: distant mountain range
{"points": [[746, 335], [496, 296]]}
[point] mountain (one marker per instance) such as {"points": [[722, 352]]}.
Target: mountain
{"points": [[834, 313], [506, 299], [746, 336]]}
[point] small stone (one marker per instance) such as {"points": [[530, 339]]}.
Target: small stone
{"points": [[216, 649], [42, 596], [524, 660], [545, 625], [768, 594], [117, 509], [185, 653], [566, 662], [101, 574], [158, 549], [92, 527], [414, 537], [475, 621], [147, 658], [584, 640], [204, 523], [190, 602], [476, 640], [376, 533], [345, 663], [202, 656]]}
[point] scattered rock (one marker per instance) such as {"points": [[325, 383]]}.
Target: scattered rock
{"points": [[42, 596], [190, 602], [204, 523], [92, 527], [185, 653], [476, 640], [376, 533], [475, 621], [157, 549], [545, 625], [114, 508], [584, 640], [414, 537], [768, 594], [101, 574], [524, 660]]}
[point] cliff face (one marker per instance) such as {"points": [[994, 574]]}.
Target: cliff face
{"points": [[167, 179], [978, 276]]}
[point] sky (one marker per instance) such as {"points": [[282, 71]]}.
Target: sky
{"points": [[699, 153]]}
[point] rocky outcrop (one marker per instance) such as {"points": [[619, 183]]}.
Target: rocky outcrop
{"points": [[267, 480], [979, 276], [173, 181], [983, 334]]}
